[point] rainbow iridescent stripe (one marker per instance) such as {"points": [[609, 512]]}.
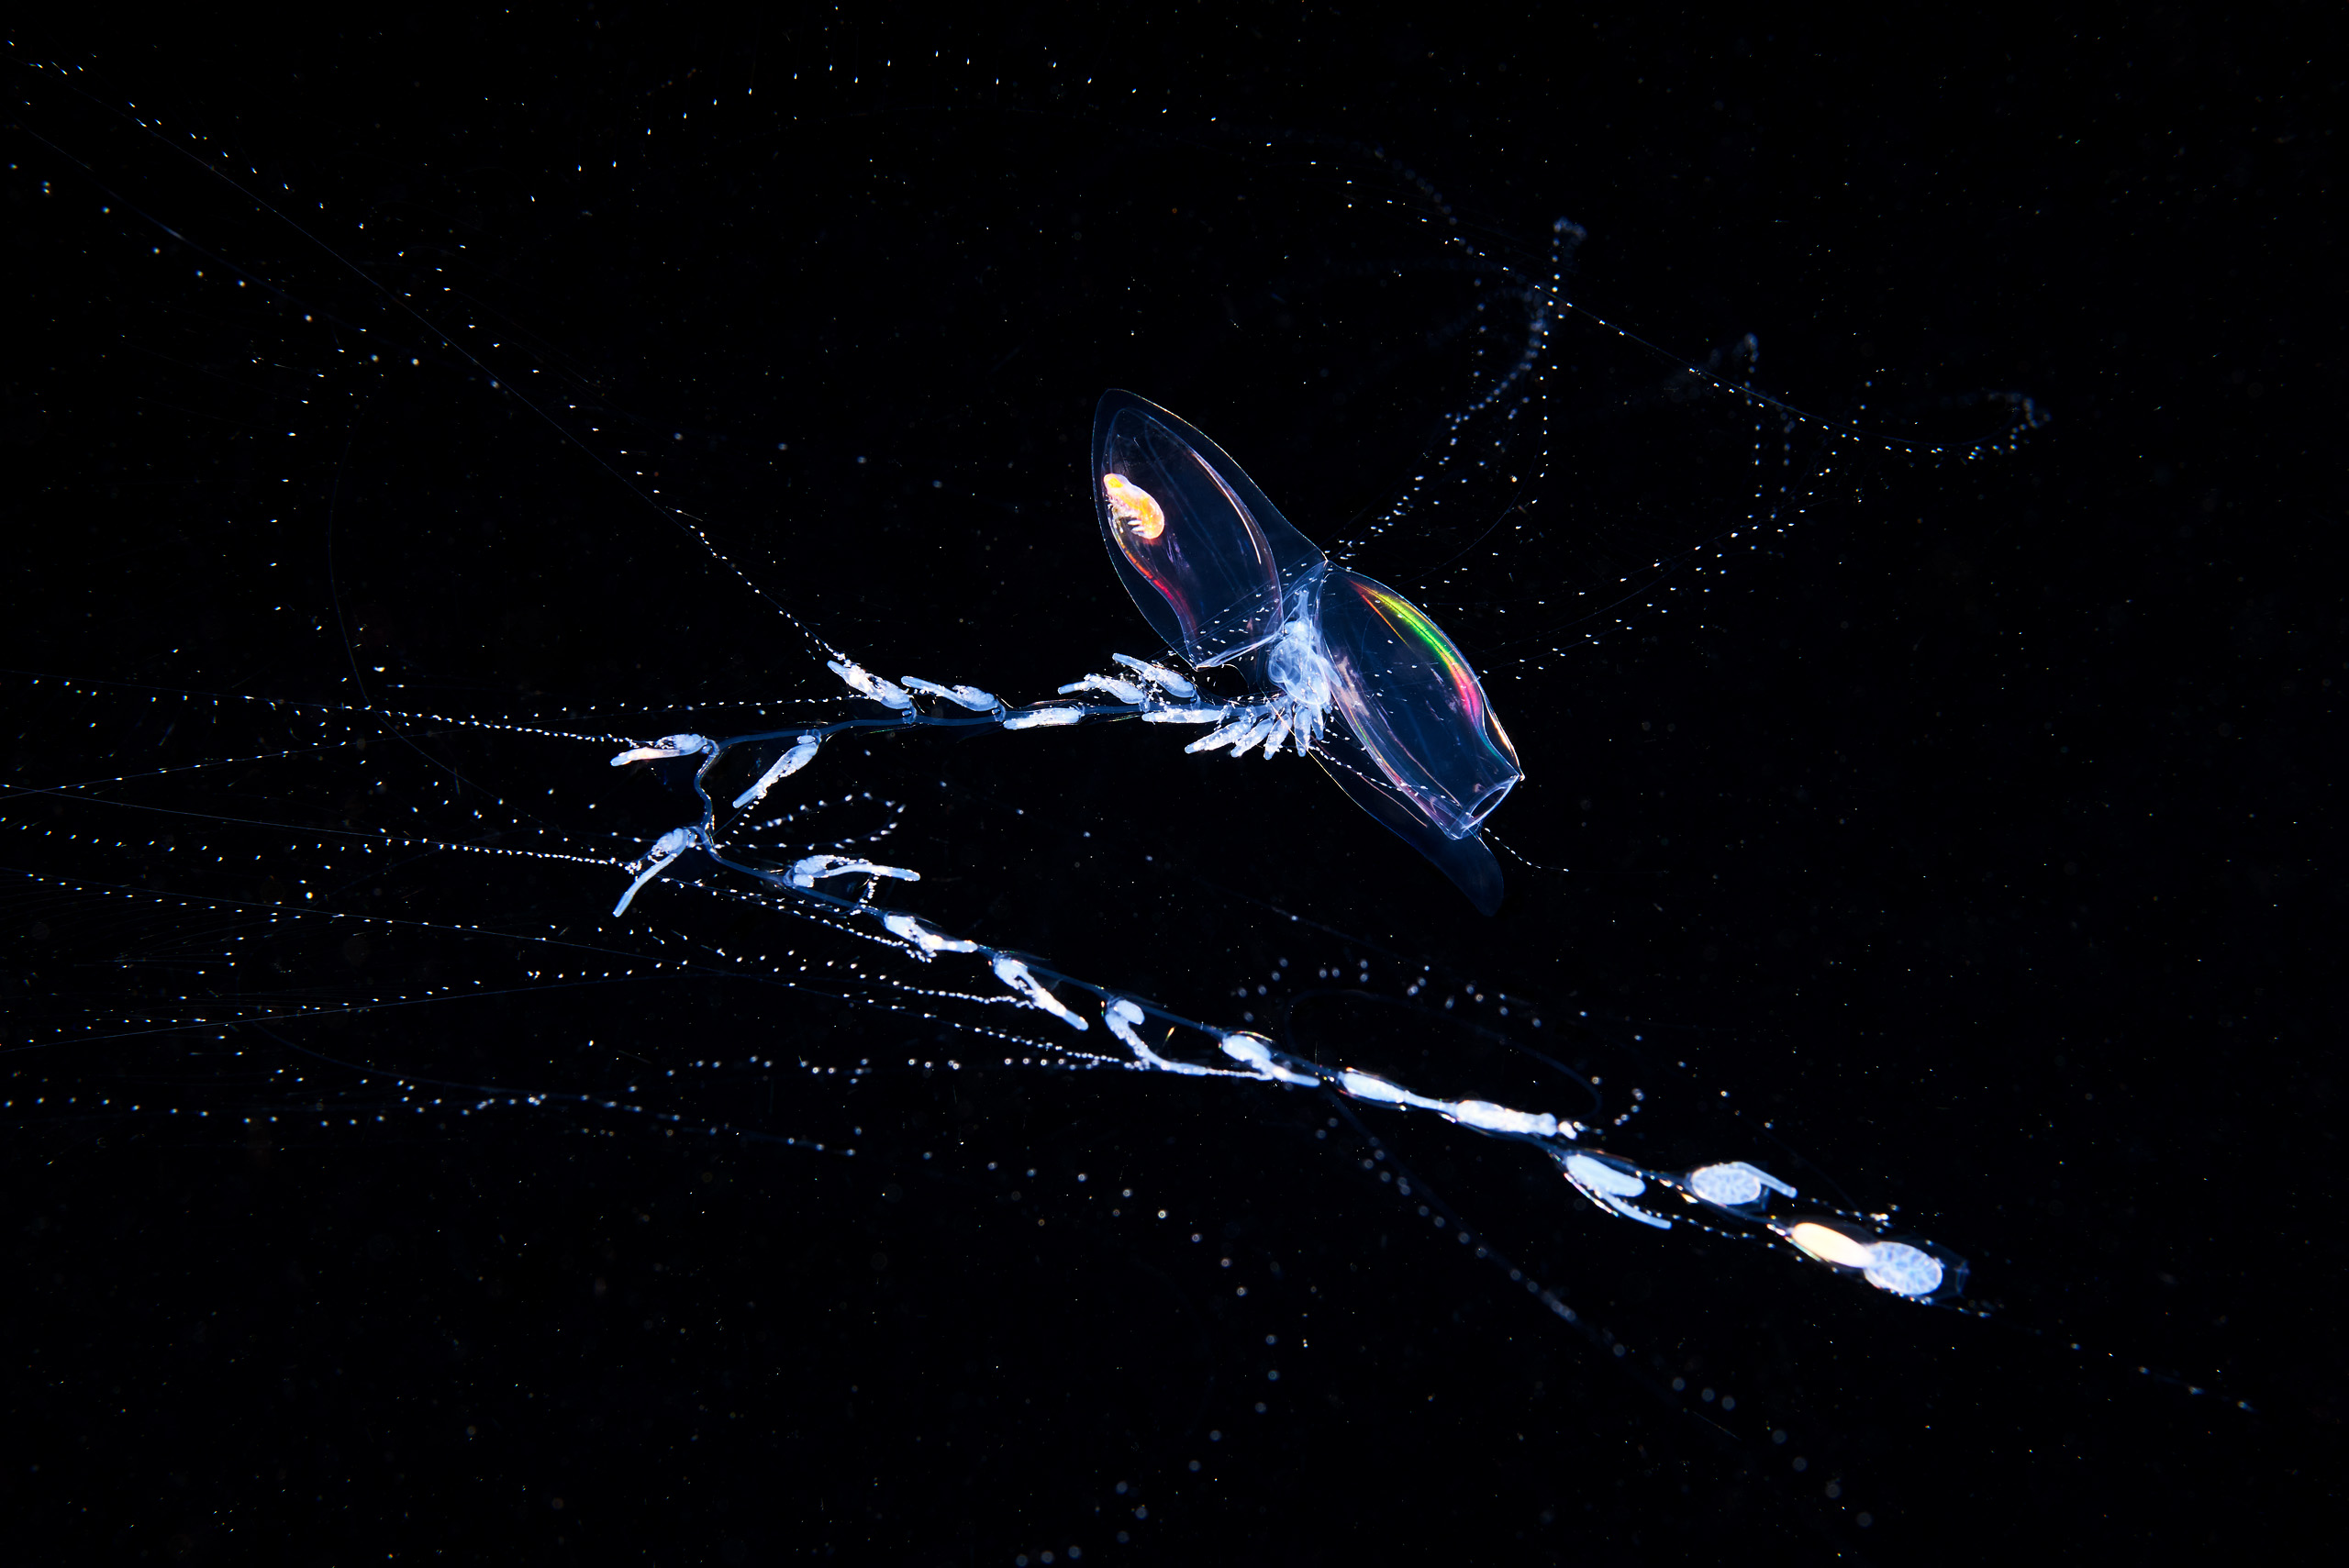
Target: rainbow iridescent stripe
{"points": [[1407, 619]]}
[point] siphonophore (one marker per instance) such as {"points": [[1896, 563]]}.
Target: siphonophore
{"points": [[1358, 679], [443, 773]]}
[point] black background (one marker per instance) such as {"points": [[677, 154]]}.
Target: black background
{"points": [[1977, 827]]}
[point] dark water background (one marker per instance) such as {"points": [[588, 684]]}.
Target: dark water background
{"points": [[1973, 832]]}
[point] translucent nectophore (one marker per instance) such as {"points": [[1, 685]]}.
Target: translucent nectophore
{"points": [[1220, 574], [592, 760]]}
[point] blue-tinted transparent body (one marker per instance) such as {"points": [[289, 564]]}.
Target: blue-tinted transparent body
{"points": [[1369, 685]]}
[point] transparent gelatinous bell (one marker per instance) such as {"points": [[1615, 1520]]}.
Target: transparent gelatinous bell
{"points": [[1207, 558], [1220, 574], [1414, 704], [1418, 746]]}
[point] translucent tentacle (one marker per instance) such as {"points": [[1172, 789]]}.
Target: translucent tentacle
{"points": [[1124, 691], [791, 762], [971, 698], [1158, 676], [667, 746], [872, 686]]}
